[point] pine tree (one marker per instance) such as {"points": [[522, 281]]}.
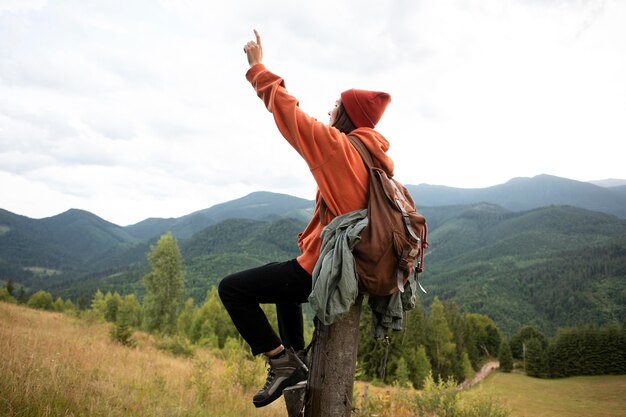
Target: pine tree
{"points": [[131, 303], [505, 357], [164, 286], [535, 358], [185, 318], [98, 305], [122, 330], [466, 367], [21, 295], [416, 326], [112, 303], [59, 305], [422, 368], [69, 306], [401, 375], [441, 347], [10, 288], [211, 325]]}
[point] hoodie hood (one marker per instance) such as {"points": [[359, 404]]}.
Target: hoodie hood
{"points": [[377, 145]]}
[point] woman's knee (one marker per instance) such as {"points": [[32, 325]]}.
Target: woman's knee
{"points": [[225, 287]]}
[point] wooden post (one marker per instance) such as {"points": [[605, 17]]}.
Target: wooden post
{"points": [[333, 362]]}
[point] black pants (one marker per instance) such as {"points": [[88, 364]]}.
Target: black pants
{"points": [[285, 284]]}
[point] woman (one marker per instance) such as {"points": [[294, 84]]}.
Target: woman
{"points": [[343, 183]]}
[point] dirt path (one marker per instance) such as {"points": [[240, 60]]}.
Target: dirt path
{"points": [[480, 375]]}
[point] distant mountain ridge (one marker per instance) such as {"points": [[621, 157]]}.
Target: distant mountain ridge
{"points": [[526, 194], [77, 237], [257, 206], [609, 182], [70, 239]]}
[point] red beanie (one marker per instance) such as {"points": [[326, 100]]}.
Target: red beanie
{"points": [[364, 108]]}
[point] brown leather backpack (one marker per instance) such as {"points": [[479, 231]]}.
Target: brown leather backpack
{"points": [[395, 238]]}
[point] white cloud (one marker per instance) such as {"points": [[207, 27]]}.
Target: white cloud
{"points": [[141, 109]]}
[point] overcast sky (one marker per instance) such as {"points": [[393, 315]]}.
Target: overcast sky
{"points": [[137, 109]]}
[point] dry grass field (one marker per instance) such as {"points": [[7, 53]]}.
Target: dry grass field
{"points": [[55, 365], [52, 364]]}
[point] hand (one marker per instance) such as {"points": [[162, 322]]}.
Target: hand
{"points": [[254, 50]]}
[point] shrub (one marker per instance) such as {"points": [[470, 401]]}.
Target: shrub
{"points": [[6, 296], [439, 398], [241, 368], [41, 300], [176, 345]]}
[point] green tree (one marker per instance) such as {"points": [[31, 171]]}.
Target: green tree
{"points": [[6, 296], [41, 300], [422, 368], [98, 305], [59, 305], [466, 367], [485, 334], [69, 306], [211, 324], [535, 358], [401, 374], [164, 286], [440, 343], [21, 295], [125, 318], [185, 318], [456, 323], [524, 334], [133, 307], [492, 343], [112, 303], [505, 357], [10, 287], [587, 350]]}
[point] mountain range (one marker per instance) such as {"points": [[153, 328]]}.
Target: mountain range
{"points": [[529, 193], [543, 250]]}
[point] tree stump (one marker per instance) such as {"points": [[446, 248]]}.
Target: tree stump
{"points": [[333, 362], [294, 399]]}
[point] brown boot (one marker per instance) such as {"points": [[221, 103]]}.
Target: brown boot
{"points": [[284, 372]]}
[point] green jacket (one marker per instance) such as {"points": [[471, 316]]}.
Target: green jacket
{"points": [[335, 281]]}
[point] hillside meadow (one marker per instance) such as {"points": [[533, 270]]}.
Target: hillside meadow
{"points": [[588, 396], [57, 365]]}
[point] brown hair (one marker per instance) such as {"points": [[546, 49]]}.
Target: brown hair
{"points": [[342, 121]]}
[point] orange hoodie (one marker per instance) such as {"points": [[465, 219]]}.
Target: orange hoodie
{"points": [[341, 176]]}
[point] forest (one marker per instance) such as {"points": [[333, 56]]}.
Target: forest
{"points": [[441, 341]]}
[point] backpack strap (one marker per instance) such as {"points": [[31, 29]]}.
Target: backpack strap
{"points": [[360, 147], [325, 214]]}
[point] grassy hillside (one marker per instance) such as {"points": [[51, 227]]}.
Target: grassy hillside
{"points": [[597, 396], [53, 365], [56, 365]]}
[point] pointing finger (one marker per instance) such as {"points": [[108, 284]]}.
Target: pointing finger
{"points": [[258, 38]]}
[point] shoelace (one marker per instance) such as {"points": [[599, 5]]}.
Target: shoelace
{"points": [[270, 378]]}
